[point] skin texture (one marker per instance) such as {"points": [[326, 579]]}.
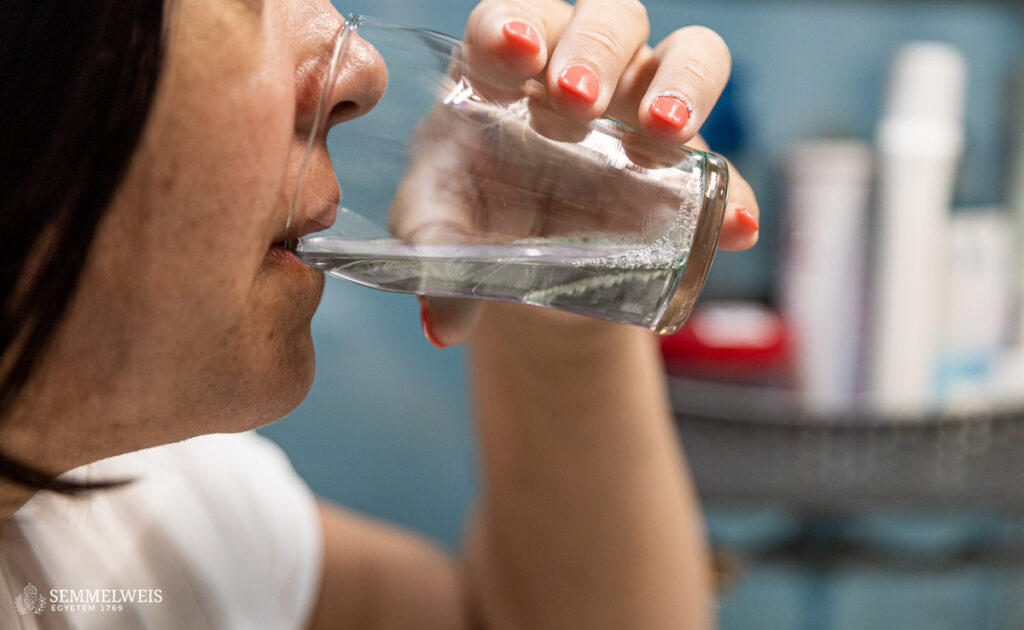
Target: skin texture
{"points": [[188, 321]]}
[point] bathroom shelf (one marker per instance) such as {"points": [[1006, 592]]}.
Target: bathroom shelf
{"points": [[757, 447]]}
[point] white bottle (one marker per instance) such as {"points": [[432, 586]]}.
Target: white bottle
{"points": [[920, 140], [978, 303], [827, 197]]}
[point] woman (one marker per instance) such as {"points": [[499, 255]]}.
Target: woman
{"points": [[149, 153]]}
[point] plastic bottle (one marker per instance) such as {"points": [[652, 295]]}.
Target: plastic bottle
{"points": [[920, 141]]}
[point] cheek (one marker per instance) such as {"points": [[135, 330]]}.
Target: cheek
{"points": [[185, 241], [219, 166], [178, 313]]}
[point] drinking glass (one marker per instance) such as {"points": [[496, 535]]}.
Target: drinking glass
{"points": [[460, 183]]}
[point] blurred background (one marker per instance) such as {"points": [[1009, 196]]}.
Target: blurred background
{"points": [[837, 494]]}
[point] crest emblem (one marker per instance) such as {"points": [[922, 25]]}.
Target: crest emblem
{"points": [[30, 601]]}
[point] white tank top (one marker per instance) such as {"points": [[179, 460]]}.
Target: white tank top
{"points": [[217, 532]]}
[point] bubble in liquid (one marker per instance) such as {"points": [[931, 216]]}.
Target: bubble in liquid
{"points": [[669, 250]]}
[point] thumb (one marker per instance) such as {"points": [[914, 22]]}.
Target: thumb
{"points": [[449, 321]]}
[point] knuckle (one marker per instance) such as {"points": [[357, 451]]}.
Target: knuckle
{"points": [[487, 8], [481, 10], [601, 41], [701, 75], [700, 60], [707, 39], [490, 5], [633, 9], [705, 35], [479, 17], [473, 21]]}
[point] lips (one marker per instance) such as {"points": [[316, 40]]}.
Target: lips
{"points": [[315, 207], [321, 219], [281, 252]]}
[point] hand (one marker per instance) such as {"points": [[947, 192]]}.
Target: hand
{"points": [[592, 58]]}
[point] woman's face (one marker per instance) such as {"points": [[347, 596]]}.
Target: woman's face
{"points": [[189, 319]]}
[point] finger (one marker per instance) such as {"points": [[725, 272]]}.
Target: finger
{"points": [[741, 224], [437, 203], [693, 66], [449, 321], [740, 229], [422, 210], [515, 35], [594, 50]]}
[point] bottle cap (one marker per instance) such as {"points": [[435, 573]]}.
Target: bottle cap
{"points": [[928, 82]]}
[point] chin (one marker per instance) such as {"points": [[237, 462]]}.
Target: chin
{"points": [[301, 382], [290, 391], [268, 391], [264, 367]]}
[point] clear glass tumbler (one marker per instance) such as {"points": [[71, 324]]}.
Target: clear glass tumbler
{"points": [[460, 184]]}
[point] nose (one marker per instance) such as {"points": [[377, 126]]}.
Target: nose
{"points": [[360, 81]]}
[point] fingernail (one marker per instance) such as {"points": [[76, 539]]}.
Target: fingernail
{"points": [[521, 37], [428, 332], [581, 82], [671, 110], [747, 219]]}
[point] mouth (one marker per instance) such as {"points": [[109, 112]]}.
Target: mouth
{"points": [[318, 221], [283, 246]]}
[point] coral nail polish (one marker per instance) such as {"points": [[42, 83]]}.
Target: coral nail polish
{"points": [[581, 82], [521, 37], [428, 332], [670, 110], [747, 219]]}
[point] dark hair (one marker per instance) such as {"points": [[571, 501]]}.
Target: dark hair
{"points": [[77, 81]]}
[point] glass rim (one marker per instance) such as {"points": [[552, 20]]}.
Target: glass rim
{"points": [[703, 248], [342, 38]]}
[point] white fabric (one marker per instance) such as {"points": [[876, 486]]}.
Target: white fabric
{"points": [[220, 524]]}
